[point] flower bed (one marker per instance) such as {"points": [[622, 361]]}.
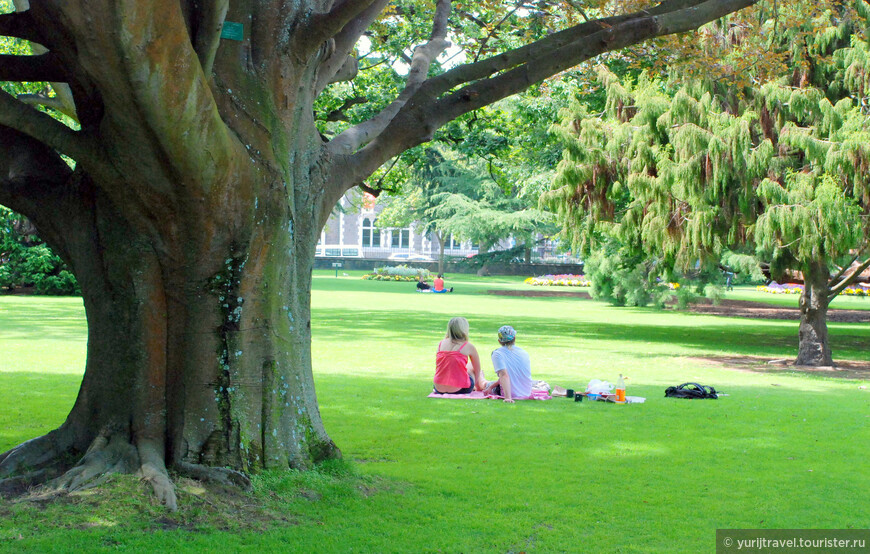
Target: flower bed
{"points": [[396, 273], [857, 291], [375, 277], [776, 288], [564, 280], [790, 288]]}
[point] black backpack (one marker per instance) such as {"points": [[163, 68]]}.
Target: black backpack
{"points": [[691, 390]]}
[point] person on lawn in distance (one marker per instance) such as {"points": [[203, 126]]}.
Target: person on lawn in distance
{"points": [[457, 363], [439, 284], [512, 366], [422, 285]]}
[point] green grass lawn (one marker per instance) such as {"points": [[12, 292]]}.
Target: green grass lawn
{"points": [[783, 450]]}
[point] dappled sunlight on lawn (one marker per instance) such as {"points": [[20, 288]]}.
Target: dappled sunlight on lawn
{"points": [[623, 449], [46, 335]]}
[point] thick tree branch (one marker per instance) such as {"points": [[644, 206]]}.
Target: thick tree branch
{"points": [[845, 268], [171, 95], [53, 102], [853, 276], [210, 21], [321, 27], [65, 102], [350, 140], [335, 67], [544, 48], [18, 25], [339, 115], [512, 72], [44, 67], [27, 168], [44, 128]]}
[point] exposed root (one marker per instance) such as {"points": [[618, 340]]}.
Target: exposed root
{"points": [[36, 453], [45, 461], [225, 476], [107, 454], [153, 469], [20, 484]]}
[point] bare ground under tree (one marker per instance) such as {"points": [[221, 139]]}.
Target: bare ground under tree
{"points": [[845, 369]]}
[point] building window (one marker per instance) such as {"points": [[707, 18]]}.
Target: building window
{"points": [[400, 238], [453, 243], [371, 235]]}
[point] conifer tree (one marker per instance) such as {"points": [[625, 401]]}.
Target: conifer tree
{"points": [[688, 173]]}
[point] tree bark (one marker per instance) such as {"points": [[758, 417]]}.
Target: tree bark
{"points": [[201, 363], [440, 237], [813, 347]]}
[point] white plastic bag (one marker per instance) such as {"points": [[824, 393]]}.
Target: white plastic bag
{"points": [[597, 386]]}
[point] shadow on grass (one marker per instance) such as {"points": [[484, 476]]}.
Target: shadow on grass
{"points": [[20, 318], [773, 338]]}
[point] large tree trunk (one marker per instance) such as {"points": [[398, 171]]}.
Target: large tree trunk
{"points": [[193, 242], [813, 348], [201, 363]]}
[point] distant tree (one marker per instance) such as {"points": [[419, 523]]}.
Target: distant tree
{"points": [[686, 174], [450, 195]]}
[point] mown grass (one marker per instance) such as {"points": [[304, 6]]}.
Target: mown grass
{"points": [[783, 450]]}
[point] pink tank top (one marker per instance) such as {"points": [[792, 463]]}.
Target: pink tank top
{"points": [[450, 368]]}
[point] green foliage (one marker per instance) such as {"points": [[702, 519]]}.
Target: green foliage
{"points": [[624, 278], [27, 262], [456, 195], [672, 170]]}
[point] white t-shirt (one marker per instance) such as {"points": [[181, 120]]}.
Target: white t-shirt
{"points": [[516, 362]]}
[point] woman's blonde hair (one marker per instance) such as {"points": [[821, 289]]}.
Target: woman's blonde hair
{"points": [[457, 329]]}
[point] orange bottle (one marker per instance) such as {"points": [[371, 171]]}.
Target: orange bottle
{"points": [[620, 389]]}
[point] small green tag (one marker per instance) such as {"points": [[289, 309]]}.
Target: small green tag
{"points": [[233, 31]]}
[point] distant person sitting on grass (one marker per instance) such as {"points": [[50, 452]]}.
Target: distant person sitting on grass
{"points": [[439, 284], [422, 285], [457, 363], [512, 366]]}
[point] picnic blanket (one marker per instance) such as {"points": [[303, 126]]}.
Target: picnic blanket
{"points": [[478, 395]]}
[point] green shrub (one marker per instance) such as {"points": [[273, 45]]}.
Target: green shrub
{"points": [[27, 262], [622, 280]]}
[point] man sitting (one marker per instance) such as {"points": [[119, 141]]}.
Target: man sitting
{"points": [[439, 284], [512, 366]]}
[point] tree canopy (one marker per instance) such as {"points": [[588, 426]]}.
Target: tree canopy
{"points": [[686, 173]]}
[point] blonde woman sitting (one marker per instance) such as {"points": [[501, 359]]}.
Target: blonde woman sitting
{"points": [[457, 363]]}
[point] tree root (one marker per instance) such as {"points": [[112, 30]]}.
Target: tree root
{"points": [[36, 454], [20, 484], [109, 453], [222, 475], [42, 461], [152, 468], [114, 453]]}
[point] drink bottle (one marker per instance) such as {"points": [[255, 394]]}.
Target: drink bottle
{"points": [[620, 389]]}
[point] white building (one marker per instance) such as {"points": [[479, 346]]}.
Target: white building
{"points": [[353, 233]]}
